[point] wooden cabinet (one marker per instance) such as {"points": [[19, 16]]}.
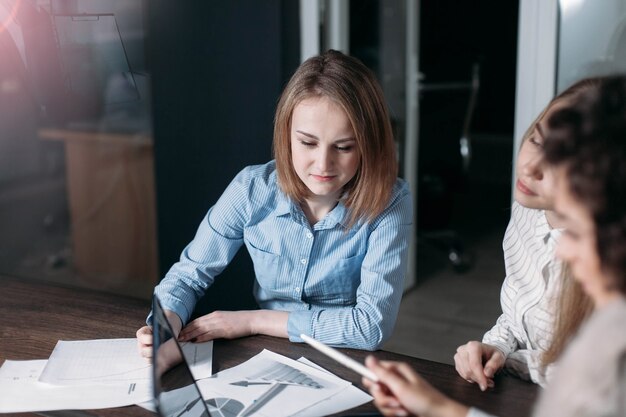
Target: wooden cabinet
{"points": [[110, 182]]}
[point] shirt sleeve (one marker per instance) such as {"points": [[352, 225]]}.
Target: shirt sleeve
{"points": [[526, 364], [501, 336], [369, 323], [217, 240]]}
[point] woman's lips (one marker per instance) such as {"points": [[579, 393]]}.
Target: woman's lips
{"points": [[524, 189], [323, 178]]}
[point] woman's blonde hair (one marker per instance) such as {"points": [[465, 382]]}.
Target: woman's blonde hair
{"points": [[572, 308], [353, 87]]}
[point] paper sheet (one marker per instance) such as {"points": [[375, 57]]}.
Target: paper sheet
{"points": [[346, 399], [113, 361], [241, 385], [88, 374], [96, 361], [200, 358], [22, 391]]}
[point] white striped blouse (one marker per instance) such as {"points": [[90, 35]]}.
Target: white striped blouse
{"points": [[529, 293]]}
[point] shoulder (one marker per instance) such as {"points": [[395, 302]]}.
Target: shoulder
{"points": [[607, 324], [527, 226], [608, 320], [521, 215], [400, 193], [254, 185], [400, 189], [399, 210], [588, 373], [260, 174], [258, 178]]}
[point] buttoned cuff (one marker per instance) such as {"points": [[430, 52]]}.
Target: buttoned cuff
{"points": [[177, 307], [502, 347], [299, 322]]}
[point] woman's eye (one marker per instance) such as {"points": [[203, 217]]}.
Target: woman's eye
{"points": [[344, 148], [535, 142], [307, 144]]}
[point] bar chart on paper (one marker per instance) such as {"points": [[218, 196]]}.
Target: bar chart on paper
{"points": [[285, 374]]}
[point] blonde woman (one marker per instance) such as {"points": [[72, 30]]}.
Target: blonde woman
{"points": [[525, 339], [586, 150], [326, 223]]}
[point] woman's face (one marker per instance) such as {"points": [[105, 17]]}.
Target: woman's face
{"points": [[323, 147], [534, 185], [577, 244]]}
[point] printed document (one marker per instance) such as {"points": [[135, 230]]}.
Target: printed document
{"points": [[113, 361], [22, 391]]}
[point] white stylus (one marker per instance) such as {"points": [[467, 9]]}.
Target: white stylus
{"points": [[341, 358]]}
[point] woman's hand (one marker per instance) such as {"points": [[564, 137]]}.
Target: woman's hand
{"points": [[218, 325], [402, 392], [234, 324], [384, 399], [144, 341], [145, 338], [478, 362]]}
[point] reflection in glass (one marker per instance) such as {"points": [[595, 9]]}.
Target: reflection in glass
{"points": [[76, 154], [175, 391], [94, 56]]}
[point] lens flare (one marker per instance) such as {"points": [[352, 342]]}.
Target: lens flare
{"points": [[6, 20]]}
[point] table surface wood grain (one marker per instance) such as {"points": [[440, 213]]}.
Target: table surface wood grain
{"points": [[35, 315]]}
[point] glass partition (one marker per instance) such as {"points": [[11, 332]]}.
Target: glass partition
{"points": [[591, 41], [76, 157]]}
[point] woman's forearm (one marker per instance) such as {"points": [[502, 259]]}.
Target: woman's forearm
{"points": [[269, 322]]}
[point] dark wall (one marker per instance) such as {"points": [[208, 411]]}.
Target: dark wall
{"points": [[218, 68]]}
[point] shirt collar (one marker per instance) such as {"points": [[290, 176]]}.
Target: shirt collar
{"points": [[283, 205], [339, 215], [547, 233]]}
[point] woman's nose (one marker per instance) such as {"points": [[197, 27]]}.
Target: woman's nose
{"points": [[324, 160], [534, 168]]}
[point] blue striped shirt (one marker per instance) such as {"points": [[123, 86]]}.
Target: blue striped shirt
{"points": [[340, 287]]}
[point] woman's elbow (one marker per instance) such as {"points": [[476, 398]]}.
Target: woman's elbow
{"points": [[374, 340]]}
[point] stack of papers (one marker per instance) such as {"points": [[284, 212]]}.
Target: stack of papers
{"points": [[94, 374], [88, 374], [272, 385]]}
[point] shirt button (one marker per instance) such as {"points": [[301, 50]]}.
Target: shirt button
{"points": [[303, 261], [309, 235], [297, 289]]}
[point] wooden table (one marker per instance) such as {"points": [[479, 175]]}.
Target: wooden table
{"points": [[35, 315]]}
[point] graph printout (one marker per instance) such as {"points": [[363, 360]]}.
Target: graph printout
{"points": [[270, 385], [229, 397]]}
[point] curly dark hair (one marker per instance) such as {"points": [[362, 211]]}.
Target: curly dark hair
{"points": [[589, 139]]}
